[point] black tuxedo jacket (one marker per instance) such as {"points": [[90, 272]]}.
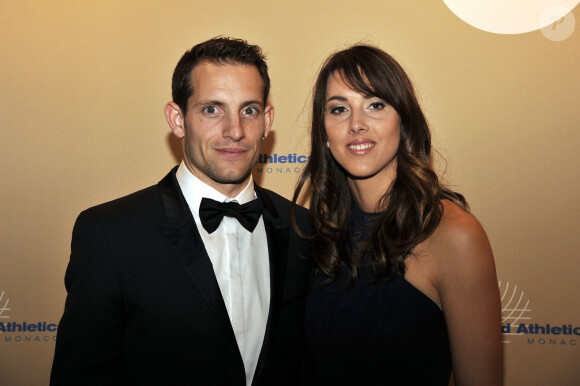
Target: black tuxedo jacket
{"points": [[144, 306]]}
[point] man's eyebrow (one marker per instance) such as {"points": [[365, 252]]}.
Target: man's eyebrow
{"points": [[221, 104], [253, 102], [210, 102]]}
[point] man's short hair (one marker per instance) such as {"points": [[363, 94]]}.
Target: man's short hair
{"points": [[220, 49]]}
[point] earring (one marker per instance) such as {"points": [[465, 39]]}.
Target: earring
{"points": [[327, 144], [263, 137]]}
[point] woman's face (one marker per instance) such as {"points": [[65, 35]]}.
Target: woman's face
{"points": [[363, 132]]}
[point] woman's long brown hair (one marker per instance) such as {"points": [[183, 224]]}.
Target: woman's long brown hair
{"points": [[411, 206]]}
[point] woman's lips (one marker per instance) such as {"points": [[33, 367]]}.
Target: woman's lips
{"points": [[361, 147]]}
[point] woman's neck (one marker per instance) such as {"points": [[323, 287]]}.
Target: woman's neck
{"points": [[367, 194], [369, 191]]}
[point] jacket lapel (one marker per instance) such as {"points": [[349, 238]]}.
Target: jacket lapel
{"points": [[277, 232], [187, 246]]}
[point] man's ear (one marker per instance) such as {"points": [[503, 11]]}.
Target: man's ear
{"points": [[175, 119], [268, 119]]}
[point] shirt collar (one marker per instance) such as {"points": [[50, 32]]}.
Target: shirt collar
{"points": [[194, 190]]}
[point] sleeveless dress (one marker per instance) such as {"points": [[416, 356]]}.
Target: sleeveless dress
{"points": [[383, 332]]}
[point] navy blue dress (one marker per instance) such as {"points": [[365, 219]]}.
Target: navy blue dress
{"points": [[375, 333]]}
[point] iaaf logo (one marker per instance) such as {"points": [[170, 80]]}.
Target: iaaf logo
{"points": [[15, 332], [517, 321], [4, 308]]}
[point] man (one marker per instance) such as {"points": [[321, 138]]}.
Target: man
{"points": [[161, 289]]}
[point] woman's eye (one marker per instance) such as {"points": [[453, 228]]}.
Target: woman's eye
{"points": [[377, 106], [337, 110]]}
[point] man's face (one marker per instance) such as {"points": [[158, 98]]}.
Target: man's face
{"points": [[224, 125]]}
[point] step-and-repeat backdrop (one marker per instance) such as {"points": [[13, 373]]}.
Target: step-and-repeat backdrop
{"points": [[83, 85]]}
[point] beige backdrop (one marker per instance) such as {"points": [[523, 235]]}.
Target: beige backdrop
{"points": [[83, 85]]}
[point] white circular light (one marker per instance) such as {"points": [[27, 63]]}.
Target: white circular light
{"points": [[512, 16]]}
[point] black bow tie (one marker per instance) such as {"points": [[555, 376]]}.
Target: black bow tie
{"points": [[212, 212]]}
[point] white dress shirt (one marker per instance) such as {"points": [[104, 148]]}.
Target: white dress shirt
{"points": [[240, 263]]}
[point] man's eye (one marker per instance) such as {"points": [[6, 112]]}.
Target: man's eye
{"points": [[250, 111], [210, 109]]}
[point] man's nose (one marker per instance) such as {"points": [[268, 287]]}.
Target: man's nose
{"points": [[233, 128]]}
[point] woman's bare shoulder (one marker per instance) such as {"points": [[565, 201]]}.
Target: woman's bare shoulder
{"points": [[458, 228], [461, 244], [467, 287]]}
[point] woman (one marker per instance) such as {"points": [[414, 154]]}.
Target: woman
{"points": [[405, 291]]}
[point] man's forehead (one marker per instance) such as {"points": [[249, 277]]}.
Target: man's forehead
{"points": [[222, 63], [217, 77], [206, 67]]}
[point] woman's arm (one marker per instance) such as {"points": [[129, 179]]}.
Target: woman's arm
{"points": [[470, 300]]}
